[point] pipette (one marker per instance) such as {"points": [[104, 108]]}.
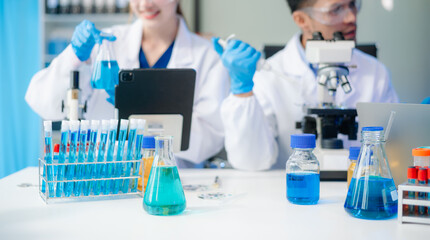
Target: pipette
{"points": [[262, 64]]}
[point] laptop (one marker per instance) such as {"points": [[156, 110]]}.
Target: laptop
{"points": [[410, 129]]}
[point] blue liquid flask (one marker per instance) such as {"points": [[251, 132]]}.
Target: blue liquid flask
{"points": [[303, 178], [164, 194], [105, 68], [372, 193]]}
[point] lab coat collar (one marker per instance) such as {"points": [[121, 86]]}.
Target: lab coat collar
{"points": [[181, 53], [294, 58]]}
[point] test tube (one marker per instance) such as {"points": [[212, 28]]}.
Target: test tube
{"points": [[90, 169], [129, 156], [422, 181], [101, 154], [62, 157], [412, 179], [70, 168], [80, 170], [107, 173], [137, 153], [48, 158], [120, 154]]}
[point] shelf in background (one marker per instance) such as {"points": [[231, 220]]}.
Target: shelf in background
{"points": [[72, 18]]}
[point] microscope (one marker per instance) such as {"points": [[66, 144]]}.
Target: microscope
{"points": [[327, 120]]}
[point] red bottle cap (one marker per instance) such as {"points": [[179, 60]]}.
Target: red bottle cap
{"points": [[428, 173], [412, 172], [422, 174], [57, 148]]}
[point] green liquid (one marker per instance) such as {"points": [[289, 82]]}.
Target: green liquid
{"points": [[164, 194]]}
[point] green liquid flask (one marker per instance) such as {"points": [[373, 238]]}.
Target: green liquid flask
{"points": [[164, 194]]}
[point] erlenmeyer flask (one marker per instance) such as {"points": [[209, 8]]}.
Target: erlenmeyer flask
{"points": [[372, 193], [164, 194], [105, 68]]}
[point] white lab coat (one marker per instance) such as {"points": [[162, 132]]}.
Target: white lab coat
{"points": [[258, 128], [48, 87]]}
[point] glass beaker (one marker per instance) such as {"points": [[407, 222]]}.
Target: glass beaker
{"points": [[164, 194], [105, 68], [372, 193]]}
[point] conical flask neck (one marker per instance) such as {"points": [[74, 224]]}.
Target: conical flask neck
{"points": [[163, 151]]}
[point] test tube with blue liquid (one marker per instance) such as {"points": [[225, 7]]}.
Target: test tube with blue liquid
{"points": [[120, 155], [108, 172], [422, 181], [101, 155], [62, 157], [73, 150], [137, 153], [80, 169], [303, 178], [90, 168], [49, 169], [412, 180], [129, 156]]}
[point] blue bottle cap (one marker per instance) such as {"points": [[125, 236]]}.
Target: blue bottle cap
{"points": [[354, 152], [372, 129], [148, 142], [303, 140]]}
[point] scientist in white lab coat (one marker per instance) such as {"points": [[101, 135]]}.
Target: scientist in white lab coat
{"points": [[158, 38], [260, 114]]}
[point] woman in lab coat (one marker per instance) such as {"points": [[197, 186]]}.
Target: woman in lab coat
{"points": [[159, 31]]}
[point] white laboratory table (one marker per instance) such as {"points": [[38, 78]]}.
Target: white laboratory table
{"points": [[257, 209]]}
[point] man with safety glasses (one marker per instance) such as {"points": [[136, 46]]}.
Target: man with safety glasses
{"points": [[260, 114]]}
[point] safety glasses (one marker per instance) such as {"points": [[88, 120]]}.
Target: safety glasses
{"points": [[333, 14]]}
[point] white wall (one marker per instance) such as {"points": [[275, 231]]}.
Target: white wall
{"points": [[401, 35]]}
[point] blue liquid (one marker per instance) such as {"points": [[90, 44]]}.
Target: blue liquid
{"points": [[164, 194], [411, 195], [108, 168], [90, 169], [70, 169], [119, 156], [100, 158], [62, 159], [131, 139], [422, 195], [50, 170], [80, 169], [105, 75], [371, 199], [136, 165], [303, 188]]}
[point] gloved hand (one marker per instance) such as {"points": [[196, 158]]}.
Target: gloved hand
{"points": [[85, 36], [426, 101], [241, 61]]}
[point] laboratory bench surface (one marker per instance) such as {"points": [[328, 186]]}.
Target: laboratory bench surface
{"points": [[255, 208]]}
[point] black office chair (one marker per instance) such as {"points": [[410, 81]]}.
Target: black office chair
{"points": [[270, 50]]}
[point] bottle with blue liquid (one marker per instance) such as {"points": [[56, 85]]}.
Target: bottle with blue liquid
{"points": [[105, 68], [303, 177], [164, 194], [372, 193]]}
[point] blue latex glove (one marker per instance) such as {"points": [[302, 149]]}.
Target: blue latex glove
{"points": [[241, 61], [426, 101], [85, 36]]}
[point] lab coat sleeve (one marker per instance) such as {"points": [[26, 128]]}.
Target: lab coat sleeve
{"points": [[250, 134], [388, 93], [48, 87], [207, 135]]}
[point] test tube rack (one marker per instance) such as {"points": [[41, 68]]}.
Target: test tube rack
{"points": [[49, 195], [403, 215]]}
